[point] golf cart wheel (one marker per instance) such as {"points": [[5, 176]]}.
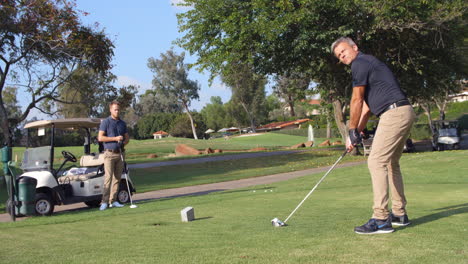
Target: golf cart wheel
{"points": [[440, 147], [44, 204], [123, 196], [456, 146], [94, 203]]}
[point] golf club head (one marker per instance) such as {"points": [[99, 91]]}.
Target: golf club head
{"points": [[133, 206], [277, 223]]}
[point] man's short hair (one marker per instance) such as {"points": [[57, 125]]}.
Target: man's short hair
{"points": [[114, 103], [338, 41]]}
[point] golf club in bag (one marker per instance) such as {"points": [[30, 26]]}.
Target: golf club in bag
{"points": [[128, 175], [278, 223]]}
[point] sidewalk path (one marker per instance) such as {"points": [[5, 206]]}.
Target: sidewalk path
{"points": [[204, 188]]}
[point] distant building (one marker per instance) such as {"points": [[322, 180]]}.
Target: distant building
{"points": [[282, 125], [316, 102], [460, 97], [160, 134]]}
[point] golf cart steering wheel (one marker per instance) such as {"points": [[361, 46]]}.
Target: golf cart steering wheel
{"points": [[69, 156]]}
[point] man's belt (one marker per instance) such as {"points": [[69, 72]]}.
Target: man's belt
{"points": [[113, 150], [395, 105]]}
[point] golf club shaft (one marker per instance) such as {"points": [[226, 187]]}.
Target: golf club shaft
{"points": [[313, 189], [128, 178]]}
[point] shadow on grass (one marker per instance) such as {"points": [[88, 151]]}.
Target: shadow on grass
{"points": [[202, 218], [443, 213]]}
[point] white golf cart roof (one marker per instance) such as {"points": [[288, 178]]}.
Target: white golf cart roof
{"points": [[66, 123]]}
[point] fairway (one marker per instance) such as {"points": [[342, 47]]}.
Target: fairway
{"points": [[234, 226], [138, 150]]}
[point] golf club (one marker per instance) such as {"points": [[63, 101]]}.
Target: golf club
{"points": [[128, 176], [278, 223]]}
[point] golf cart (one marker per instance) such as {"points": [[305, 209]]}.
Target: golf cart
{"points": [[445, 135], [368, 138], [77, 183]]}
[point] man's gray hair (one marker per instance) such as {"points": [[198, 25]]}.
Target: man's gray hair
{"points": [[338, 41]]}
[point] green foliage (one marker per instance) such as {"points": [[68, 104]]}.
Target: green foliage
{"points": [[181, 126], [88, 94], [150, 123], [214, 114], [420, 132], [40, 38], [248, 90], [153, 101], [171, 79], [420, 41], [291, 88]]}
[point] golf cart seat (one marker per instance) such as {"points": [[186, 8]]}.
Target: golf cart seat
{"points": [[367, 146], [92, 160], [81, 177]]}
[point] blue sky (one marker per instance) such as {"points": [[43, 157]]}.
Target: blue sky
{"points": [[140, 30]]}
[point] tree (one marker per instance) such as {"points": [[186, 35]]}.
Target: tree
{"points": [[172, 79], [150, 123], [214, 114], [279, 37], [181, 128], [87, 94], [248, 90], [154, 101], [9, 95], [37, 40], [291, 88]]}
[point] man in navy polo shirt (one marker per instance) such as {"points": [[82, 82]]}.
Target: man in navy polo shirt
{"points": [[375, 90], [113, 132]]}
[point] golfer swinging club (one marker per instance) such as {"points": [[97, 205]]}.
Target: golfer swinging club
{"points": [[376, 90], [113, 132]]}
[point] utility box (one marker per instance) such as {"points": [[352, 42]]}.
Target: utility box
{"points": [[27, 195], [187, 214]]}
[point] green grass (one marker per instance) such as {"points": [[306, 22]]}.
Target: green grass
{"points": [[165, 177], [210, 172], [234, 226], [138, 150]]}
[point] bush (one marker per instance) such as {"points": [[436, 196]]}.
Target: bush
{"points": [[182, 127], [151, 123], [420, 132]]}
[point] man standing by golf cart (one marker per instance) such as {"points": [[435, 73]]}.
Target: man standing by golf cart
{"points": [[113, 132], [375, 90]]}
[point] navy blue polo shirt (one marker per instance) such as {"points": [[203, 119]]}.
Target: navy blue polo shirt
{"points": [[113, 128], [382, 88]]}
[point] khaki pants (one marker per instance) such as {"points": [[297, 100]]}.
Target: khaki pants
{"points": [[384, 160], [113, 167]]}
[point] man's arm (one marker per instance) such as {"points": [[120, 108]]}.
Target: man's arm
{"points": [[103, 138], [365, 113], [126, 138], [358, 116], [356, 107]]}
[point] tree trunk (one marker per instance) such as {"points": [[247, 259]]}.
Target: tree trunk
{"points": [[5, 124], [340, 119], [251, 118], [328, 128], [427, 111], [191, 121], [291, 106], [441, 105]]}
